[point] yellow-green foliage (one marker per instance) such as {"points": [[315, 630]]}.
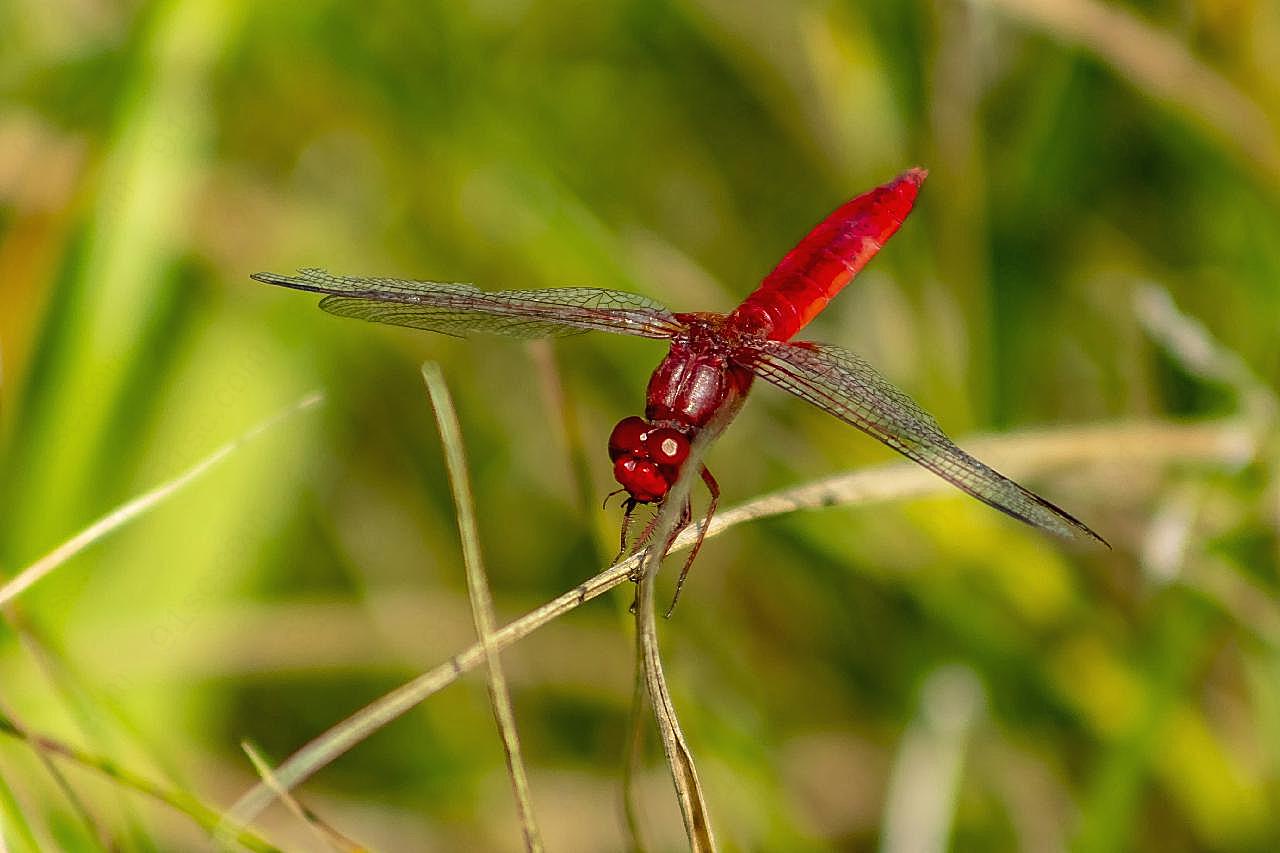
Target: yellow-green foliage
{"points": [[1104, 177]]}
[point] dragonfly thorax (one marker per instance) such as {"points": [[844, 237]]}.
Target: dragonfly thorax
{"points": [[646, 457], [698, 377]]}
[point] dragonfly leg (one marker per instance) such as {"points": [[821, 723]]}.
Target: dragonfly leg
{"points": [[642, 539], [686, 512], [628, 510], [714, 488]]}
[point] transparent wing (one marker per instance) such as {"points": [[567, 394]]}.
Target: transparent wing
{"points": [[460, 309], [841, 383]]}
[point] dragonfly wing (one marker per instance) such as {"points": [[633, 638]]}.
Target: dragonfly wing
{"points": [[839, 382], [460, 309]]}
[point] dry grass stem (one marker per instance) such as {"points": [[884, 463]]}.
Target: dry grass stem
{"points": [[684, 772], [1187, 340], [1222, 442], [322, 830], [481, 598], [344, 735], [632, 762], [1162, 67], [127, 512]]}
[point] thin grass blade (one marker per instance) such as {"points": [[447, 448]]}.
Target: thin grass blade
{"points": [[323, 831], [183, 802], [684, 772], [481, 598], [143, 503], [16, 834]]}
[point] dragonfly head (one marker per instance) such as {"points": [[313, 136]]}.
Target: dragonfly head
{"points": [[646, 457]]}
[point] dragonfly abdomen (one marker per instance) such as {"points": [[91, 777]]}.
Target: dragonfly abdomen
{"points": [[806, 279]]}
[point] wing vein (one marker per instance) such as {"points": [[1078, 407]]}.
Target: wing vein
{"points": [[458, 309], [845, 386]]}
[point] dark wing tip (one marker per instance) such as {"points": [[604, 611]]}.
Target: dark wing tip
{"points": [[302, 281], [1095, 536], [272, 278], [1075, 525]]}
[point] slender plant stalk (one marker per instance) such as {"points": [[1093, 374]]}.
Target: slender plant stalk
{"points": [[1222, 442], [632, 761], [562, 413], [481, 598], [69, 688], [203, 815], [127, 512], [684, 772], [94, 827], [1188, 342], [322, 830], [355, 728], [14, 827]]}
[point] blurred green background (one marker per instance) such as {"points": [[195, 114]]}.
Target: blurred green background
{"points": [[909, 675]]}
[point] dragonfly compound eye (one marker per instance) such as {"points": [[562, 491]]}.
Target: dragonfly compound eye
{"points": [[667, 446], [641, 478], [627, 437]]}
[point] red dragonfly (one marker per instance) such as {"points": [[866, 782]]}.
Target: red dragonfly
{"points": [[714, 357]]}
